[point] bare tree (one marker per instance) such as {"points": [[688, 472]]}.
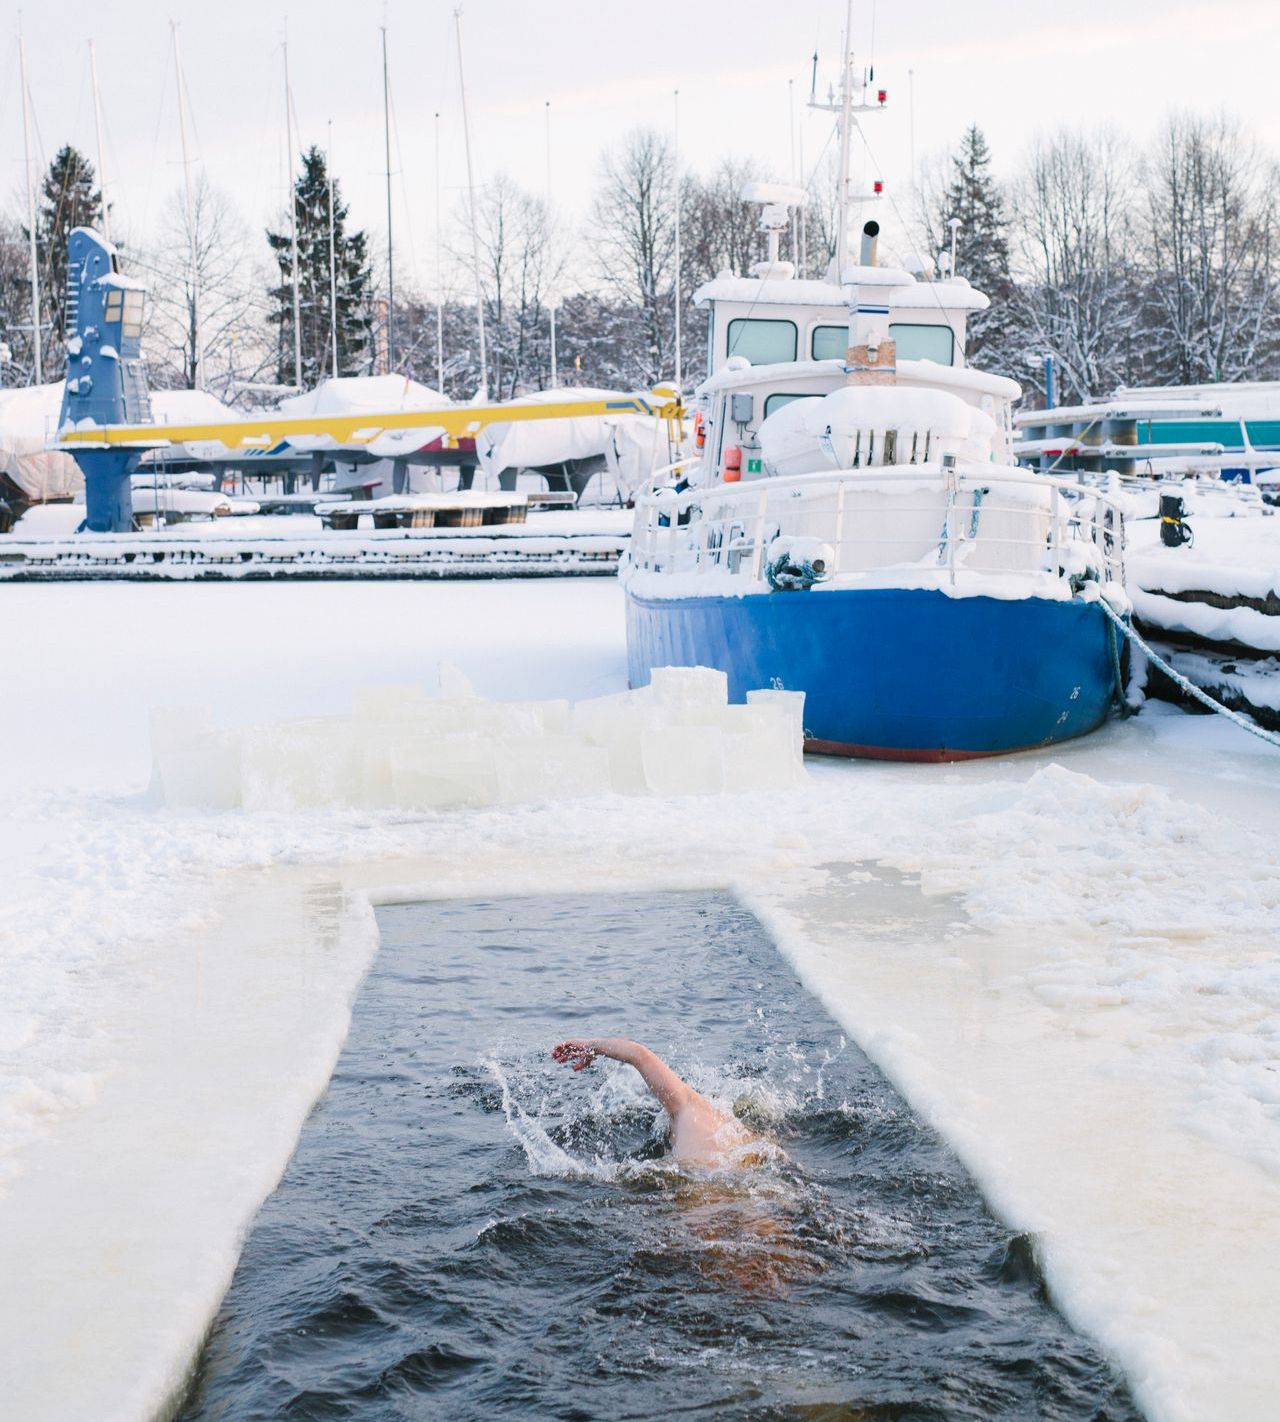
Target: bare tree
{"points": [[1211, 213], [633, 238], [719, 231], [1074, 236], [522, 255], [233, 327], [17, 367]]}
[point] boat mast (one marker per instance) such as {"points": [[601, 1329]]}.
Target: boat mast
{"points": [[471, 200], [439, 270], [293, 223], [795, 176], [551, 296], [38, 369], [675, 151], [846, 107], [333, 265], [197, 347], [102, 155], [391, 278]]}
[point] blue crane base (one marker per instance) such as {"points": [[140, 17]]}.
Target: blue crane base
{"points": [[108, 495]]}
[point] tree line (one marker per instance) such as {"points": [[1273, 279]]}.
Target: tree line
{"points": [[1157, 266]]}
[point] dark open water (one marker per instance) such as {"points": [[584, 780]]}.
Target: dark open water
{"points": [[468, 1231]]}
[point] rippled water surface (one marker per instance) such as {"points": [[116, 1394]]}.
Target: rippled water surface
{"points": [[467, 1230]]}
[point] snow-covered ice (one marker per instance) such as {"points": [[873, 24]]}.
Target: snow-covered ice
{"points": [[1064, 959]]}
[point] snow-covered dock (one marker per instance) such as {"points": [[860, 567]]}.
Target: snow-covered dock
{"points": [[300, 546], [1213, 603]]}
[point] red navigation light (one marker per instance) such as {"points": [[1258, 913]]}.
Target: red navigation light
{"points": [[878, 187], [882, 95]]}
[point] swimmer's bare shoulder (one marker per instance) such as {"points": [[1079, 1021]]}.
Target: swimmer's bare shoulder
{"points": [[700, 1132]]}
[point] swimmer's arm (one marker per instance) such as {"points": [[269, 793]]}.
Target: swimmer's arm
{"points": [[672, 1093]]}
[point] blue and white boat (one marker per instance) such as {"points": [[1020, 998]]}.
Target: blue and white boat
{"points": [[854, 525], [857, 530]]}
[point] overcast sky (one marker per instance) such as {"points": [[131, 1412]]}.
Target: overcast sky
{"points": [[605, 68]]}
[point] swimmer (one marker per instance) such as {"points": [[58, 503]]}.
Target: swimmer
{"points": [[701, 1134]]}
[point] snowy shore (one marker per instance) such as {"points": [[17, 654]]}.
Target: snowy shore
{"points": [[1064, 960]]}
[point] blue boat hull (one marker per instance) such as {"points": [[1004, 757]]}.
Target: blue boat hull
{"points": [[896, 673]]}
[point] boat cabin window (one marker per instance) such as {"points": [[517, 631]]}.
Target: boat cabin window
{"points": [[762, 342], [936, 343], [829, 342], [915, 342], [776, 401]]}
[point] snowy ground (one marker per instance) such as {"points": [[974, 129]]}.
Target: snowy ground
{"points": [[1066, 961]]}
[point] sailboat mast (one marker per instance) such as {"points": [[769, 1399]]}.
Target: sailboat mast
{"points": [[102, 154], [471, 200], [293, 223], [197, 348], [333, 264], [38, 369], [386, 134], [439, 272], [551, 296]]}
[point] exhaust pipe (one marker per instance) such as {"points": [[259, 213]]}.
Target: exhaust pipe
{"points": [[870, 241]]}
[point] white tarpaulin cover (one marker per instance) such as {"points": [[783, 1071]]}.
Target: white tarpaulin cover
{"points": [[27, 419], [632, 445], [372, 394]]}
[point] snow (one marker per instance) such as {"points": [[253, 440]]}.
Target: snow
{"points": [[823, 433], [1256, 682], [1064, 959], [1236, 553], [904, 292]]}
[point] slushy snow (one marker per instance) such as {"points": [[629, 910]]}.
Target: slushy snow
{"points": [[1064, 959]]}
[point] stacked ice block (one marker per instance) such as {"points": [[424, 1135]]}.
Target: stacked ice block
{"points": [[400, 750]]}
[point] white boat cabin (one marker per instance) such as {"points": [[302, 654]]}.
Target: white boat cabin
{"points": [[767, 321]]}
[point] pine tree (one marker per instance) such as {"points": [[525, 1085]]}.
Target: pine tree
{"points": [[68, 198], [353, 283], [973, 199]]}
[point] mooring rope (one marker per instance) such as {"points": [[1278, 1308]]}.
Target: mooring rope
{"points": [[1189, 687]]}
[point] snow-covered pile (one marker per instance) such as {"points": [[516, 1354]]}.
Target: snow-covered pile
{"points": [[826, 434], [1235, 554], [677, 736]]}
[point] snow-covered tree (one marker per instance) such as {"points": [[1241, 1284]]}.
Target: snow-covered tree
{"points": [[69, 198], [1079, 295], [1210, 244], [317, 316], [973, 199]]}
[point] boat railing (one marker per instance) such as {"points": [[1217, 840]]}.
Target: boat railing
{"points": [[945, 521]]}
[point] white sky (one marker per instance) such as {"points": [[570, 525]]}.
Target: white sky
{"points": [[605, 67]]}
